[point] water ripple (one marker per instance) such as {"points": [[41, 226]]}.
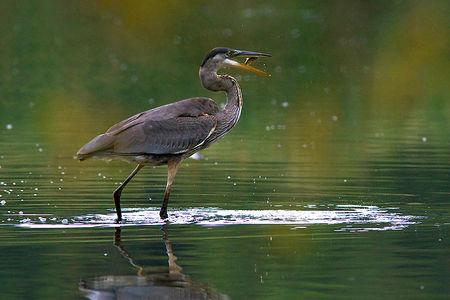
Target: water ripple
{"points": [[355, 218]]}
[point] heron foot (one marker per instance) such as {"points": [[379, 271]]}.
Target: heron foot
{"points": [[163, 214]]}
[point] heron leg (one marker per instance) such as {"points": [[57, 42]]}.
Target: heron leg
{"points": [[172, 168], [118, 191]]}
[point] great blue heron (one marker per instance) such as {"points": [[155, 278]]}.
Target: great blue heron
{"points": [[173, 132]]}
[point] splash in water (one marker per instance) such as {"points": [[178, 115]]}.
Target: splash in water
{"points": [[354, 217]]}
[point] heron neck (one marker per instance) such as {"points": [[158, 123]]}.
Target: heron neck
{"points": [[231, 112], [213, 82], [233, 91]]}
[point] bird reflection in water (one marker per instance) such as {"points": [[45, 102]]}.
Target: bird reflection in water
{"points": [[150, 282]]}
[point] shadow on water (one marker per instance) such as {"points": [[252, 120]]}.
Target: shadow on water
{"points": [[150, 282]]}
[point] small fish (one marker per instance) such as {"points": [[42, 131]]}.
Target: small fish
{"points": [[249, 60]]}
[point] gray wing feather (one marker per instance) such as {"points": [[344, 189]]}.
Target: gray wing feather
{"points": [[172, 136], [192, 107], [166, 129]]}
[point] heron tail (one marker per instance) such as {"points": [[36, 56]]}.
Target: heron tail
{"points": [[100, 143]]}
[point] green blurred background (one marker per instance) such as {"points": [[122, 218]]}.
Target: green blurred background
{"points": [[78, 66]]}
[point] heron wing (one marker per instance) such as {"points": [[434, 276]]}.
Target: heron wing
{"points": [[161, 117], [170, 136], [192, 107]]}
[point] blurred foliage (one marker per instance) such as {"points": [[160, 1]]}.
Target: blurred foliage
{"points": [[357, 59]]}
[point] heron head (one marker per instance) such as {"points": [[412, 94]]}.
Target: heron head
{"points": [[221, 57]]}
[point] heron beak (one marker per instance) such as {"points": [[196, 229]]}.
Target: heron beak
{"points": [[251, 56], [247, 67]]}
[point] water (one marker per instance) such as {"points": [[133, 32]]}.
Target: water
{"points": [[333, 185]]}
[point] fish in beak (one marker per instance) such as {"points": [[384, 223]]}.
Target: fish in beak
{"points": [[251, 57]]}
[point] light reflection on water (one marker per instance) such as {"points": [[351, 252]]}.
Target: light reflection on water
{"points": [[353, 217]]}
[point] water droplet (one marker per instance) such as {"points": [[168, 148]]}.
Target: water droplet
{"points": [[295, 33], [227, 32], [247, 13], [301, 69], [123, 67]]}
